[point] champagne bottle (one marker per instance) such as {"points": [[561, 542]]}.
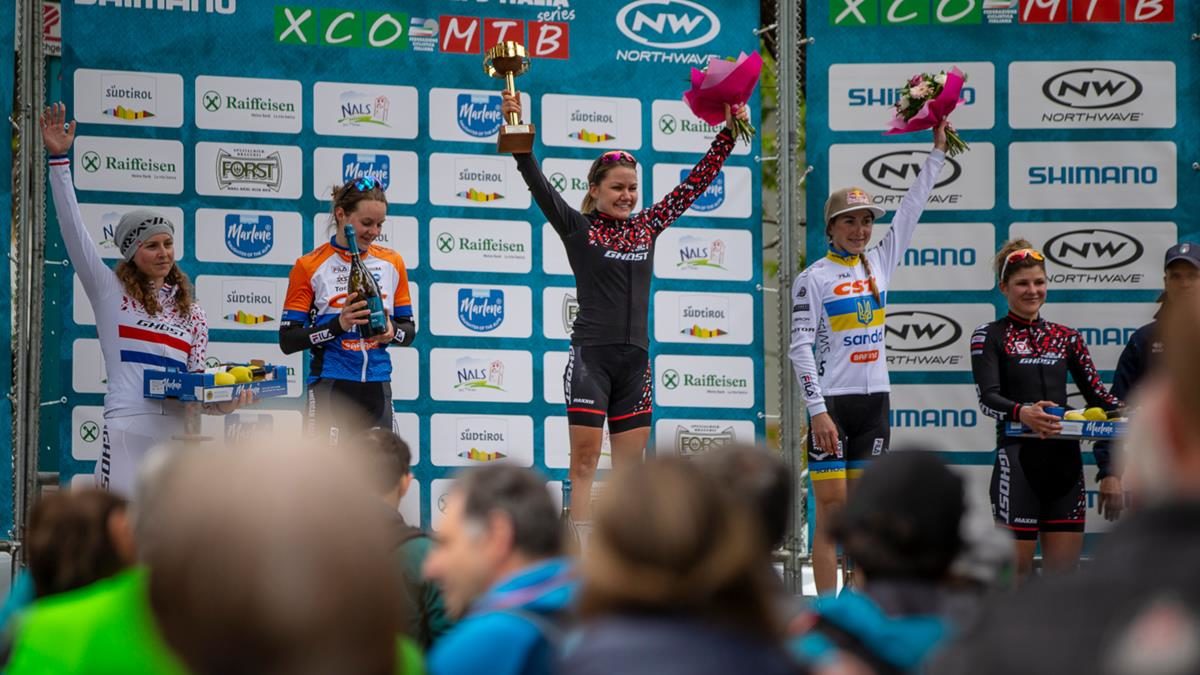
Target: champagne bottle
{"points": [[362, 283]]}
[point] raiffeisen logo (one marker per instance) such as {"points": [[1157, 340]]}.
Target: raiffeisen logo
{"points": [[695, 252], [476, 374], [356, 165], [479, 115], [666, 28], [209, 6]]}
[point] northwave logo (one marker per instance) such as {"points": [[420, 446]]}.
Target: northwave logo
{"points": [[249, 236], [668, 24], [897, 170], [481, 310], [1093, 249], [1092, 88], [920, 331], [479, 115]]}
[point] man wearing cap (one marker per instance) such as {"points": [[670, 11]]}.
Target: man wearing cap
{"points": [[837, 349], [1181, 278]]}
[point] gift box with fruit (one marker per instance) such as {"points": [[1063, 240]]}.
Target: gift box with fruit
{"points": [[221, 383], [1090, 424]]}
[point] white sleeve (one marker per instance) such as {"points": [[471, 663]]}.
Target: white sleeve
{"points": [[806, 318], [98, 279], [904, 223]]}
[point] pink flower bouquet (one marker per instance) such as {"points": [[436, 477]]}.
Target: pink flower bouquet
{"points": [[927, 99], [727, 81]]}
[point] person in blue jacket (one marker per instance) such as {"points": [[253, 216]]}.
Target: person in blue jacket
{"points": [[497, 561]]}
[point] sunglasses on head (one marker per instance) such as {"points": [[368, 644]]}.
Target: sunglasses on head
{"points": [[1018, 256], [617, 156], [366, 184]]}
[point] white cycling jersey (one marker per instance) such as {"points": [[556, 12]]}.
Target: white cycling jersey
{"points": [[835, 314]]}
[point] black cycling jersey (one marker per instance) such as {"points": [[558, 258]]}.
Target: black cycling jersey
{"points": [[1017, 362], [612, 258]]}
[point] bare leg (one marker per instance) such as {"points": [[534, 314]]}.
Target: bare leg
{"points": [[585, 456], [628, 447], [1025, 550], [830, 498], [1061, 550]]}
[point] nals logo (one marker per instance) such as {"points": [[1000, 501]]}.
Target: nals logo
{"points": [[361, 109], [698, 439], [479, 114], [356, 165], [249, 235], [480, 180], [249, 167], [921, 331], [668, 24], [129, 97], [713, 197], [482, 439], [1092, 88], [703, 318], [696, 253], [592, 121], [481, 309], [570, 311], [1093, 249], [478, 374], [898, 170], [108, 230]]}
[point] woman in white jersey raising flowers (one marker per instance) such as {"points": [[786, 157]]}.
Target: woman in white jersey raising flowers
{"points": [[838, 312]]}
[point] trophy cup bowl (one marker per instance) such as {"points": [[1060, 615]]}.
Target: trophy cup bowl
{"points": [[507, 61]]}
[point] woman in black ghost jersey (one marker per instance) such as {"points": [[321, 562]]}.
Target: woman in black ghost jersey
{"points": [[610, 249], [1020, 364]]}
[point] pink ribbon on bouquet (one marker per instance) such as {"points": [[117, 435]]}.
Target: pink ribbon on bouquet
{"points": [[935, 110], [725, 82]]}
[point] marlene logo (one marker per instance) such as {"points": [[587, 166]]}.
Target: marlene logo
{"points": [[479, 115], [668, 24], [481, 309], [1092, 88], [1093, 249], [897, 170], [920, 331], [713, 197], [249, 236], [356, 165], [478, 374]]}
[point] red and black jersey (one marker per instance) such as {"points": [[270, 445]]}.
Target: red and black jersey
{"points": [[613, 259], [1017, 362]]}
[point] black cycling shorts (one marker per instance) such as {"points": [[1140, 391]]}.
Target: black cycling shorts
{"points": [[1037, 486], [612, 381], [340, 409], [863, 434]]}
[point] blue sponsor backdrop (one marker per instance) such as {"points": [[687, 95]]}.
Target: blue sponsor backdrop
{"points": [[361, 87], [1077, 113]]}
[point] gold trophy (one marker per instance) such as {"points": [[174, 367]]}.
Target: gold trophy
{"points": [[506, 61]]}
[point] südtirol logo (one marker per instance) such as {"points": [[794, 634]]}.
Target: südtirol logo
{"points": [[482, 439], [357, 165], [249, 167], [591, 120], [479, 115], [249, 235], [480, 180], [478, 374], [247, 301], [703, 317], [696, 252], [713, 197], [128, 96], [481, 309], [360, 109]]}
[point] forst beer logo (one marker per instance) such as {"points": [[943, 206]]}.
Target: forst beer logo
{"points": [[696, 252], [1092, 88], [249, 167], [921, 331], [478, 374], [356, 165], [1093, 249], [713, 197], [570, 311], [668, 24], [897, 170], [249, 236], [358, 109], [481, 310], [129, 97], [698, 439], [482, 439], [479, 115]]}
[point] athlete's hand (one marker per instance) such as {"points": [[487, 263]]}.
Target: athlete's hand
{"points": [[1112, 498], [354, 313], [511, 103], [386, 337], [1043, 423], [244, 399], [939, 135], [825, 434], [736, 111], [57, 135]]}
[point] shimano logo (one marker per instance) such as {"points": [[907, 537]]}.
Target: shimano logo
{"points": [[921, 331], [933, 417], [1105, 337], [668, 24], [248, 236], [1092, 88], [1093, 175], [1093, 249], [897, 170], [940, 257], [862, 97]]}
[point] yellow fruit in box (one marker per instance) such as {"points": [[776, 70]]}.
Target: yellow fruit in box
{"points": [[224, 379], [1095, 415], [1074, 416], [241, 374]]}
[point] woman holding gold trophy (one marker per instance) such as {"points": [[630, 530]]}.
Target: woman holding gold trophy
{"points": [[610, 249]]}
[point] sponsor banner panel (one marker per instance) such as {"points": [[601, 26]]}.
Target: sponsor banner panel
{"points": [[248, 236], [249, 104], [675, 129], [481, 375], [367, 110], [558, 444], [128, 98], [242, 303], [476, 119], [966, 183], [560, 306], [574, 121], [471, 440], [704, 381], [479, 181], [554, 368], [87, 367], [1098, 255], [1092, 175], [87, 441], [481, 311], [128, 165], [1104, 326], [1091, 94], [933, 337], [462, 245], [728, 196], [945, 257], [941, 417], [396, 171], [246, 170], [704, 254], [862, 95], [704, 318], [689, 438], [554, 254]]}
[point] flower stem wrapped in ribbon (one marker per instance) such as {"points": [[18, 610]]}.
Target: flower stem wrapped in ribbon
{"points": [[927, 99], [724, 82]]}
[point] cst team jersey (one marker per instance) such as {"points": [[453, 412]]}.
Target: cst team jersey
{"points": [[131, 340], [315, 297], [838, 337]]}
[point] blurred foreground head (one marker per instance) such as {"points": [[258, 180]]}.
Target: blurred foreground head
{"points": [[902, 522], [499, 519], [270, 561], [668, 539], [76, 538], [760, 479]]}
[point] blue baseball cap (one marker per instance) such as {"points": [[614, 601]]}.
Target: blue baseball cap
{"points": [[1184, 250]]}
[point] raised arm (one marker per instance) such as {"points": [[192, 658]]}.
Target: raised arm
{"points": [[904, 223], [98, 279], [564, 219]]}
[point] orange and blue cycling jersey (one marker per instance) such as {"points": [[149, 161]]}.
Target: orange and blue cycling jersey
{"points": [[315, 297]]}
